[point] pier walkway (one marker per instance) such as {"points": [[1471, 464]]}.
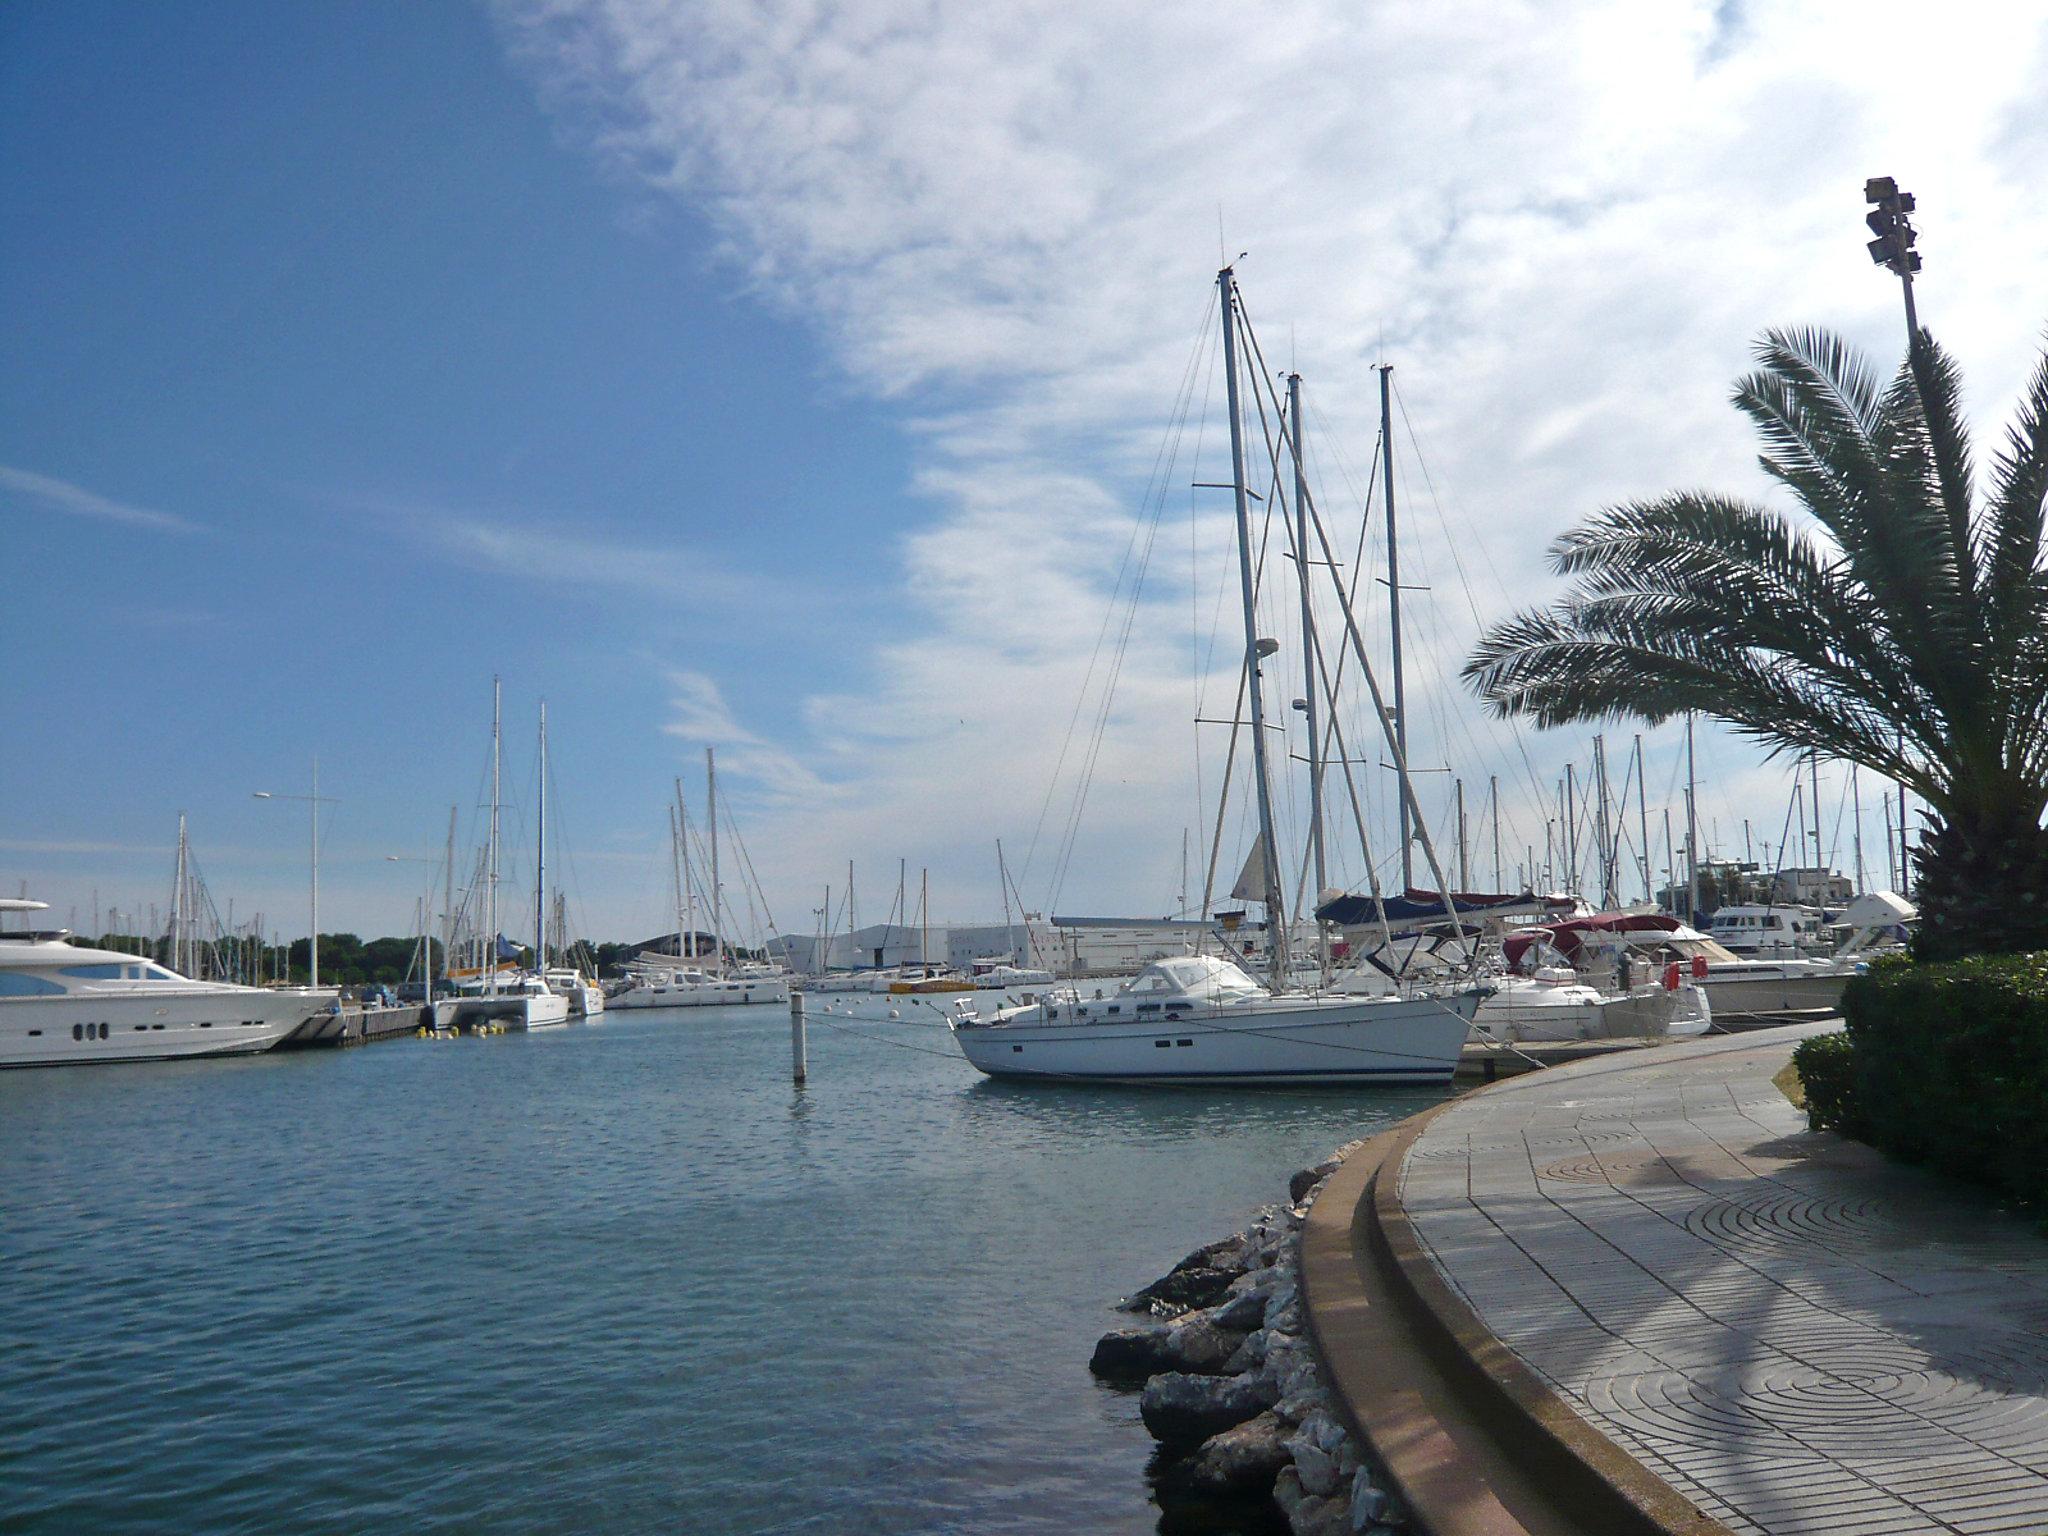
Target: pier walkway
{"points": [[1647, 1274]]}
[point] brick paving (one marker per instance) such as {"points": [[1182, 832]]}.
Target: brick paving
{"points": [[1794, 1333]]}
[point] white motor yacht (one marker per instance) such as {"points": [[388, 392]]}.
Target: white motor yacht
{"points": [[1198, 1018], [586, 997], [1000, 975], [1755, 931], [1544, 994], [62, 1003], [1739, 987]]}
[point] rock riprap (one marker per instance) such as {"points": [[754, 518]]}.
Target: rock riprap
{"points": [[1231, 1386]]}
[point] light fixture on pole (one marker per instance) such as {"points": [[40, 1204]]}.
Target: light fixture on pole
{"points": [[1893, 247], [313, 801]]}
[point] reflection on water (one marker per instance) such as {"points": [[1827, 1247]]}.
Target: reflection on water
{"points": [[622, 1277]]}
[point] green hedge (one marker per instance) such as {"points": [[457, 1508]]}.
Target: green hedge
{"points": [[1944, 1065]]}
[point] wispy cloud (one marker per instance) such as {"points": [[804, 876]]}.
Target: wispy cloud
{"points": [[699, 715], [1563, 223], [56, 495], [556, 549]]}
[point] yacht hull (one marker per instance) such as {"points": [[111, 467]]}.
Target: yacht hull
{"points": [[1519, 1014], [544, 1010], [1760, 989], [720, 994], [1363, 1042], [134, 1026]]}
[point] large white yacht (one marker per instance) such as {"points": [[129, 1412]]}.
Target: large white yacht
{"points": [[1199, 1018], [62, 1003]]}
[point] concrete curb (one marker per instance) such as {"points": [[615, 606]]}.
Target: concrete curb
{"points": [[1474, 1442]]}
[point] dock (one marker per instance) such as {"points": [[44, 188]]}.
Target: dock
{"points": [[1487, 1061]]}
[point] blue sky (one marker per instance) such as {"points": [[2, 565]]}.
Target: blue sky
{"points": [[323, 284], [790, 380]]}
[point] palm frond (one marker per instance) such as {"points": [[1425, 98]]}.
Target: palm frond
{"points": [[2010, 550]]}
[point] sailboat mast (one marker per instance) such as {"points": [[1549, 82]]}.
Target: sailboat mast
{"points": [[1308, 646], [1601, 829], [1819, 861], [1643, 819], [1692, 830], [491, 869], [687, 906], [1493, 802], [448, 895], [1856, 810], [1003, 879], [1386, 372], [540, 859], [178, 962], [1571, 828], [1276, 918], [717, 901], [1464, 869]]}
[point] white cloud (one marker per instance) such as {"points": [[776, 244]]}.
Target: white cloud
{"points": [[76, 501], [1563, 224]]}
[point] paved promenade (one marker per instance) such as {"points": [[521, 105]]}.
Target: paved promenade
{"points": [[1793, 1333]]}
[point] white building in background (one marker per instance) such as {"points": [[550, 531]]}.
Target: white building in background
{"points": [[1081, 946]]}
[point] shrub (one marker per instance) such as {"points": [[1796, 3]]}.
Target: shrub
{"points": [[1946, 1065], [1824, 1064]]}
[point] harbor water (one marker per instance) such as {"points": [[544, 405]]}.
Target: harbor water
{"points": [[618, 1277]]}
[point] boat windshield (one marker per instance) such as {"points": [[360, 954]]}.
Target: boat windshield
{"points": [[1205, 978]]}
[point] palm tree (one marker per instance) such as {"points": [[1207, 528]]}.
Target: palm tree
{"points": [[1905, 627]]}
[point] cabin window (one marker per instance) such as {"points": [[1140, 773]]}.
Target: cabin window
{"points": [[103, 1031], [22, 984], [1183, 1042], [78, 1031], [93, 972], [1164, 1045]]}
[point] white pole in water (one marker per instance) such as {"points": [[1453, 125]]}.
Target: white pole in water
{"points": [[797, 1068]]}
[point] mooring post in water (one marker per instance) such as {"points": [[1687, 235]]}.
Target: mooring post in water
{"points": [[797, 1071]]}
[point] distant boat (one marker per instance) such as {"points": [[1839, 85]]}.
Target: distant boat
{"points": [[724, 981], [61, 1004], [523, 999]]}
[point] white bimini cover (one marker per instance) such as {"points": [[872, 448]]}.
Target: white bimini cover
{"points": [[1198, 978]]}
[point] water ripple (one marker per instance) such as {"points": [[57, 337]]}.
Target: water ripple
{"points": [[621, 1277]]}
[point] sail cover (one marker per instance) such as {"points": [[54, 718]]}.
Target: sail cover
{"points": [[1414, 906]]}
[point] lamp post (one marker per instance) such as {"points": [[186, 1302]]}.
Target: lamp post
{"points": [[313, 801], [1893, 249]]}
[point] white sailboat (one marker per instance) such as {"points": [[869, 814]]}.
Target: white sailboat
{"points": [[1201, 1018], [523, 1000], [727, 982]]}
